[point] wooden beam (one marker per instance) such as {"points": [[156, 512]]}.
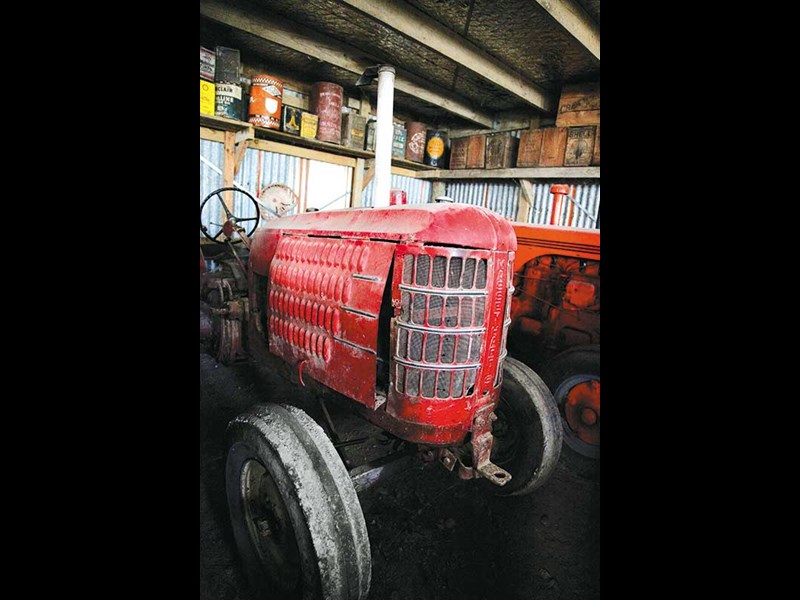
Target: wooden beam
{"points": [[212, 135], [326, 49], [369, 174], [421, 29], [301, 152], [403, 172], [515, 173], [525, 200], [357, 184], [571, 16]]}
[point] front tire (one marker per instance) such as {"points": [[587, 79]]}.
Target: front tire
{"points": [[296, 518], [527, 432]]}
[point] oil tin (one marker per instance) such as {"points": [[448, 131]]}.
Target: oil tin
{"points": [[207, 96], [399, 141], [228, 100], [308, 125], [207, 61], [290, 119], [326, 103], [435, 149], [415, 141], [353, 130], [266, 98], [369, 142], [227, 67]]}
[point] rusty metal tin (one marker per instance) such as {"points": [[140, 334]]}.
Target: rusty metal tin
{"points": [[266, 97], [415, 141], [326, 103]]}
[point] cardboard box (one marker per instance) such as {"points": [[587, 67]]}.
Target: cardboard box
{"points": [[530, 148], [501, 150], [308, 125], [580, 145], [207, 61], [579, 105], [554, 145], [458, 153]]}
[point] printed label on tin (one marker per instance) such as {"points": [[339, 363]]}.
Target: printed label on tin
{"points": [[226, 89], [272, 90], [435, 147], [417, 142]]}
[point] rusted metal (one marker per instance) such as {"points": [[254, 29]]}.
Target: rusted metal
{"points": [[326, 103], [415, 141]]}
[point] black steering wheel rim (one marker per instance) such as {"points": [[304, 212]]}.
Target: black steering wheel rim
{"points": [[229, 215]]}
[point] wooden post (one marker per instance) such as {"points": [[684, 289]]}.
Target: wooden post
{"points": [[229, 167], [438, 188], [525, 201], [357, 184]]}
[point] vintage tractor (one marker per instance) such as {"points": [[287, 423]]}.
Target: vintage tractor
{"points": [[402, 311], [555, 321], [398, 312]]}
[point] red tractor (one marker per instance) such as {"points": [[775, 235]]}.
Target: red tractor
{"points": [[555, 321], [400, 312]]}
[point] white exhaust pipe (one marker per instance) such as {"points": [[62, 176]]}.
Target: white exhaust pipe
{"points": [[384, 132]]}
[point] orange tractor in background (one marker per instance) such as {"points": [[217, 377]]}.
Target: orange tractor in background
{"points": [[555, 320]]}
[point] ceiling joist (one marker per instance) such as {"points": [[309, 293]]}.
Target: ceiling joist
{"points": [[578, 24], [330, 51], [423, 30]]}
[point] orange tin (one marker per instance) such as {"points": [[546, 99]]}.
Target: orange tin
{"points": [[266, 93]]}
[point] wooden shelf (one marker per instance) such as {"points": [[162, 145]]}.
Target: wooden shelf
{"points": [[221, 123], [515, 173]]}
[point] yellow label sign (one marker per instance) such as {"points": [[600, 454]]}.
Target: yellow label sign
{"points": [[207, 94], [435, 147]]}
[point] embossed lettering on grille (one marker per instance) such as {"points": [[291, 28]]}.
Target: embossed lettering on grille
{"points": [[442, 323]]}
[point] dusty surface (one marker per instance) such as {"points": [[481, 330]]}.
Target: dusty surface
{"points": [[432, 536]]}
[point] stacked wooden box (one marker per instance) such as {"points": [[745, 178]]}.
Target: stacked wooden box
{"points": [[575, 139]]}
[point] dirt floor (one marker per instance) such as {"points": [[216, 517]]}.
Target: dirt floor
{"points": [[432, 535]]}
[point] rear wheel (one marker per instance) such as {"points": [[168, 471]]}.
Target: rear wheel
{"points": [[574, 378], [527, 432], [295, 515]]}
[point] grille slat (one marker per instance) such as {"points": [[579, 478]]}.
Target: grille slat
{"points": [[480, 277], [443, 385], [466, 312], [439, 269], [408, 267], [480, 308], [401, 379], [428, 383], [432, 348], [415, 346], [412, 382], [418, 310], [448, 345], [423, 269], [405, 306], [454, 280], [402, 343], [470, 382], [462, 350], [451, 311], [435, 311], [469, 274], [475, 348]]}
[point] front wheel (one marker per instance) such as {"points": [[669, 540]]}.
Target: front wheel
{"points": [[295, 515], [527, 432]]}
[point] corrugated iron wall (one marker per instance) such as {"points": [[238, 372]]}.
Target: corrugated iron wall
{"points": [[418, 191], [500, 197], [257, 169], [585, 192]]}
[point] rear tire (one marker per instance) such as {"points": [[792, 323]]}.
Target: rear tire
{"points": [[296, 518], [574, 378], [527, 431]]}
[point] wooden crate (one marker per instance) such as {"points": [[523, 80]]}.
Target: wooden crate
{"points": [[530, 148], [554, 145], [468, 152], [501, 150], [596, 152], [580, 145], [579, 105]]}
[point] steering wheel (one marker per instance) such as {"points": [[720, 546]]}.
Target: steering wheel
{"points": [[230, 222]]}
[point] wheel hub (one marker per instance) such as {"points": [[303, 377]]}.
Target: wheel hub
{"points": [[582, 411]]}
